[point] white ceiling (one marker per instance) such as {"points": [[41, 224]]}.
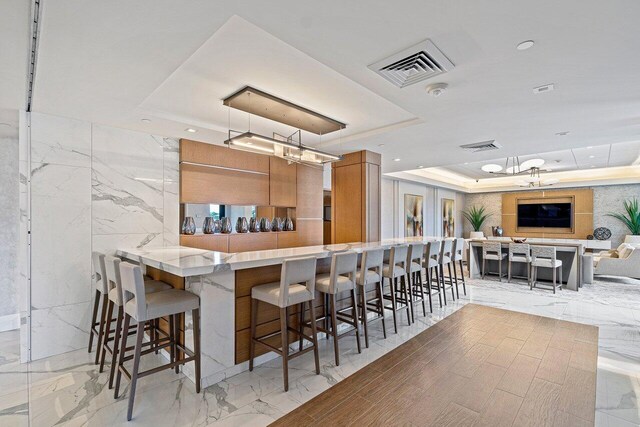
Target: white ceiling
{"points": [[14, 53], [119, 61]]}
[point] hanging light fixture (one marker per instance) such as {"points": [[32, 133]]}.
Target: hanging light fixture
{"points": [[534, 179]]}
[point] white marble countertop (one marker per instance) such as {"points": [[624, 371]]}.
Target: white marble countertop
{"points": [[185, 262]]}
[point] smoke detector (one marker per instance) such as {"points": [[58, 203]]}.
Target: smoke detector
{"points": [[436, 89]]}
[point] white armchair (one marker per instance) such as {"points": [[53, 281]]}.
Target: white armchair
{"points": [[626, 267]]}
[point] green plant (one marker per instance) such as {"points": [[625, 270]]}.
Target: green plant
{"points": [[631, 217], [476, 216]]}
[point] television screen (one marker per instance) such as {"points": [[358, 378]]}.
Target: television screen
{"points": [[550, 215]]}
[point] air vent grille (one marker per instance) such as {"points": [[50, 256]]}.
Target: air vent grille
{"points": [[413, 65], [481, 146]]}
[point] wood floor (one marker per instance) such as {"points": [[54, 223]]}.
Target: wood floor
{"points": [[481, 366]]}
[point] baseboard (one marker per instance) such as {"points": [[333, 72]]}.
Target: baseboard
{"points": [[9, 322]]}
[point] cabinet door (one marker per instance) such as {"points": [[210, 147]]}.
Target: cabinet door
{"points": [[282, 182]]}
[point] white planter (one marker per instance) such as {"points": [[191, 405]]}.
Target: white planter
{"points": [[476, 235], [630, 238]]}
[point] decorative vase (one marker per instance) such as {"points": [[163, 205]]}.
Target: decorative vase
{"points": [[288, 224], [265, 224], [188, 225], [254, 225], [602, 233], [476, 235], [242, 226], [208, 227], [276, 224], [226, 225]]}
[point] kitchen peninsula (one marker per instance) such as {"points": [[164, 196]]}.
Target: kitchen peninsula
{"points": [[224, 281]]}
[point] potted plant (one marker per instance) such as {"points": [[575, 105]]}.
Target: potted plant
{"points": [[476, 217], [630, 218]]}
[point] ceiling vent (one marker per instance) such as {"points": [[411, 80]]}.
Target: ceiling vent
{"points": [[481, 146], [412, 65]]}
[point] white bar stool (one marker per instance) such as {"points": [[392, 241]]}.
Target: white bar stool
{"points": [[545, 256], [431, 264], [492, 251], [371, 273], [114, 284], [415, 260], [296, 286], [394, 270], [141, 308], [100, 298], [445, 259], [520, 252], [341, 278], [457, 256]]}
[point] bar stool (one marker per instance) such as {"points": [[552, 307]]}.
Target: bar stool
{"points": [[492, 251], [457, 255], [415, 260], [341, 278], [296, 286], [432, 254], [142, 308], [520, 252], [394, 270], [100, 299], [114, 284], [445, 259], [545, 256], [371, 273]]}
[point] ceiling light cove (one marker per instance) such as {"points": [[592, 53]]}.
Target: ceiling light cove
{"points": [[492, 168], [525, 45]]}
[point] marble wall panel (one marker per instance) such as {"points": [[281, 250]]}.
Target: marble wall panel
{"points": [[59, 329], [171, 203], [9, 217], [60, 140]]}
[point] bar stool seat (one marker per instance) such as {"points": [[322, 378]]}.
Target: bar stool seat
{"points": [[270, 293], [150, 287], [397, 271], [323, 283], [415, 267], [370, 277], [165, 303], [519, 258], [548, 263]]}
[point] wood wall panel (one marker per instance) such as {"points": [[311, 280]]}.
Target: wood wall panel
{"points": [[201, 184], [282, 182], [252, 242], [309, 192], [209, 242], [216, 155], [582, 212]]}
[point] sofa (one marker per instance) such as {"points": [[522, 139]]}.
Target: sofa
{"points": [[623, 261]]}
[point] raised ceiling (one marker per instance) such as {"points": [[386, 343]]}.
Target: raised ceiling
{"points": [[117, 62]]}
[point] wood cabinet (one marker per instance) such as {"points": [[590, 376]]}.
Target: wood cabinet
{"points": [[282, 182]]}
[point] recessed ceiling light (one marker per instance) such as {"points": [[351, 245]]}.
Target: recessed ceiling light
{"points": [[190, 130], [563, 133], [420, 167], [396, 160], [466, 163], [525, 45], [491, 167], [589, 147], [145, 120], [591, 156]]}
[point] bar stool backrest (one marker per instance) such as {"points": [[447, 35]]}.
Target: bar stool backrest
{"points": [[519, 249], [544, 252], [99, 270], [342, 263], [445, 251], [415, 253], [491, 248], [133, 289], [398, 256], [458, 248], [432, 253], [372, 259], [297, 271], [112, 267]]}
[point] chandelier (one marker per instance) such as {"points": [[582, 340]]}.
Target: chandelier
{"points": [[528, 168]]}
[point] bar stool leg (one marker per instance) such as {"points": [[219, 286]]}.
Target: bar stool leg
{"points": [[285, 346], [116, 347], [464, 285], [172, 348], [428, 289], [176, 339], [136, 366], [381, 308], [334, 328], [252, 343], [455, 276], [314, 335], [105, 340], [300, 325], [94, 315], [195, 315], [418, 279], [355, 318], [363, 301], [453, 295], [105, 302], [555, 272], [392, 288], [407, 298], [123, 347]]}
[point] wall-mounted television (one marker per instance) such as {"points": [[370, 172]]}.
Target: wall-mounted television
{"points": [[544, 215]]}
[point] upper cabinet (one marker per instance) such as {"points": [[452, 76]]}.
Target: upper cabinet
{"points": [[283, 182]]}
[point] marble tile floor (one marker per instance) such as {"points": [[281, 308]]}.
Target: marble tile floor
{"points": [[68, 390]]}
